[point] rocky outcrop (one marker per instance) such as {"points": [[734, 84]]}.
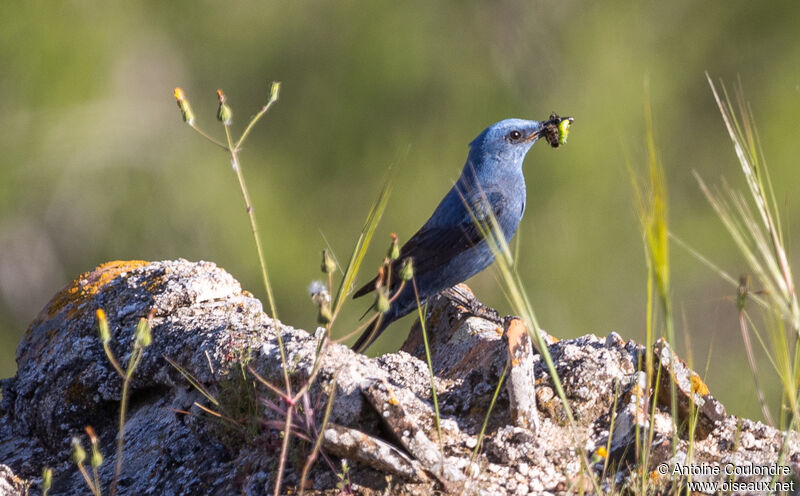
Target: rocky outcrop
{"points": [[200, 420]]}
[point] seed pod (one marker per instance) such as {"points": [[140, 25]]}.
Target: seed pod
{"points": [[394, 250], [324, 316], [406, 271], [274, 91], [183, 104], [380, 281], [78, 453], [224, 112], [97, 458], [143, 336], [328, 265], [102, 326], [382, 300]]}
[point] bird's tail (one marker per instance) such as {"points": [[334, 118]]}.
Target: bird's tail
{"points": [[372, 332]]}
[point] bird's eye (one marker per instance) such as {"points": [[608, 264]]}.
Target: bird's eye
{"points": [[515, 135]]}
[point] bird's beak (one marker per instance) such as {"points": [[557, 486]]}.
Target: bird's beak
{"points": [[538, 133], [545, 127]]}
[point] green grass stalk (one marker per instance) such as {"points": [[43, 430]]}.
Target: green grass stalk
{"points": [[760, 239], [421, 314]]}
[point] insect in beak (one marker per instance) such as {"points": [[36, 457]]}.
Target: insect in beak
{"points": [[555, 130]]}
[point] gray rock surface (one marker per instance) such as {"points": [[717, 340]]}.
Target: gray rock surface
{"points": [[382, 417]]}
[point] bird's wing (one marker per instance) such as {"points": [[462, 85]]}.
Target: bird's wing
{"points": [[433, 246]]}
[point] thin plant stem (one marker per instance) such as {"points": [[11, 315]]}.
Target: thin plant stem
{"points": [[192, 380], [209, 138], [312, 377], [430, 367], [123, 407], [96, 477], [358, 329], [254, 120], [234, 152], [287, 433], [708, 263], [263, 381], [379, 315], [318, 441], [489, 413], [611, 430], [751, 360], [95, 491], [114, 363], [651, 431]]}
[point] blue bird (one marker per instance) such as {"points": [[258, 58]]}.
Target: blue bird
{"points": [[450, 248]]}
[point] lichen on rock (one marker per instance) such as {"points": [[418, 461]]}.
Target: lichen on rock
{"points": [[382, 417]]}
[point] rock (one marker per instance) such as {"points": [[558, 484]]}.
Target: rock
{"points": [[632, 416], [520, 385], [691, 391], [10, 484], [210, 425]]}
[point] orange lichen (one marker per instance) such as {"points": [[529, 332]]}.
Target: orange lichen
{"points": [[392, 398], [516, 332], [87, 285], [698, 386]]}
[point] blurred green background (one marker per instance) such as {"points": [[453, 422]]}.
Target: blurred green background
{"points": [[96, 164]]}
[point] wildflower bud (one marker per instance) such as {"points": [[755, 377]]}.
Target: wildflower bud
{"points": [[224, 112], [97, 458], [324, 316], [78, 453], [143, 336], [382, 300], [183, 104], [274, 91], [394, 250], [328, 265], [47, 479], [92, 435], [406, 271], [381, 279], [102, 326]]}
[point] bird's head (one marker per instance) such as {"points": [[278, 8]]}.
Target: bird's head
{"points": [[505, 143]]}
